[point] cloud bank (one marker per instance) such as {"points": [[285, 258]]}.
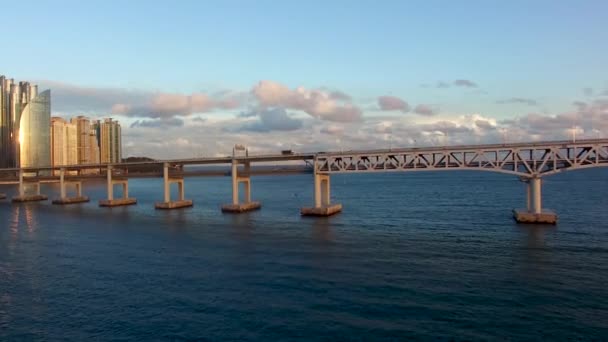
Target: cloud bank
{"points": [[388, 103], [270, 116], [323, 105]]}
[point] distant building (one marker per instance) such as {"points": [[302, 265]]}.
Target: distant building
{"points": [[85, 150], [25, 125], [83, 141], [110, 141], [64, 142], [93, 146]]}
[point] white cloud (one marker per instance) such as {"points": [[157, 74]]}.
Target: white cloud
{"points": [[317, 103]]}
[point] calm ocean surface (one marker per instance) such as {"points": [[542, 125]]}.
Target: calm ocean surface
{"points": [[412, 256]]}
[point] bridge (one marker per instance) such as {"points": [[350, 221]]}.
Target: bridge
{"points": [[529, 161]]}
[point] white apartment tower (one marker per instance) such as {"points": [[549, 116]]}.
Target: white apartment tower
{"points": [[83, 132], [64, 142], [82, 141]]}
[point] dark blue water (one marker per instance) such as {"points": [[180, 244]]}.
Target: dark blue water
{"points": [[412, 256]]}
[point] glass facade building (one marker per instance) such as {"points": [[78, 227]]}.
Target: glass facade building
{"points": [[35, 132], [25, 119], [110, 141]]}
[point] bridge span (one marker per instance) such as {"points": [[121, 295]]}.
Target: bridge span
{"points": [[529, 161]]}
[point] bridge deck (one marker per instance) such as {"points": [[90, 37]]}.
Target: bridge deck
{"points": [[524, 159]]}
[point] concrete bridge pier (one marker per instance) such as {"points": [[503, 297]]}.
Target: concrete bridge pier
{"points": [[534, 213], [111, 201], [23, 197], [64, 199], [236, 206], [323, 206], [2, 196], [167, 181]]}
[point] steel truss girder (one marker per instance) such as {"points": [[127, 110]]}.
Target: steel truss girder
{"points": [[526, 161]]}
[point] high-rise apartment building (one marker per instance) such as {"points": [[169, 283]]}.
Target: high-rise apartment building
{"points": [[83, 133], [25, 125], [83, 141], [93, 146], [64, 143], [110, 144]]}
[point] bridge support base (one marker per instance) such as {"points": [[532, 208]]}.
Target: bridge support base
{"points": [[117, 202], [524, 216], [29, 198], [322, 211], [111, 201], [323, 205], [534, 213], [64, 199], [174, 204], [23, 197], [241, 207], [168, 203], [71, 200], [2, 196], [236, 207]]}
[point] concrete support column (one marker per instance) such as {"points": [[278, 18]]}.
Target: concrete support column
{"points": [[23, 197], [62, 182], [110, 185], [111, 202], [247, 183], [535, 184], [318, 203], [181, 202], [235, 182], [236, 206], [167, 185], [247, 168], [180, 190], [322, 196], [534, 212], [79, 189], [322, 190]]}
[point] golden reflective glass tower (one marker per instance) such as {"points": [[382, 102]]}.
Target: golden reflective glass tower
{"points": [[25, 116]]}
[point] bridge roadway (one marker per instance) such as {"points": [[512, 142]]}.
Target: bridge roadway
{"points": [[528, 160]]}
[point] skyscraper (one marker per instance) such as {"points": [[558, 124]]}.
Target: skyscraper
{"points": [[83, 132], [93, 146], [64, 145], [25, 128], [110, 144]]}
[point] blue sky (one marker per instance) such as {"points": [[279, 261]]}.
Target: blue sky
{"points": [[545, 51]]}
